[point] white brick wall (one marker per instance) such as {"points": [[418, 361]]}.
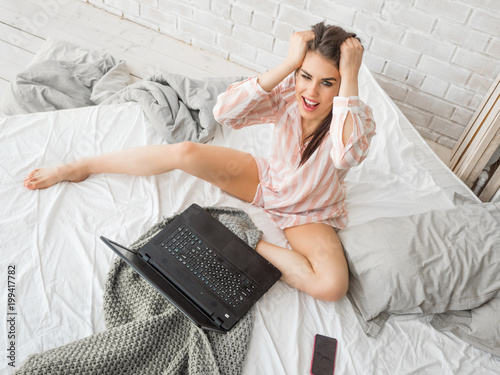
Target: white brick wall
{"points": [[435, 58]]}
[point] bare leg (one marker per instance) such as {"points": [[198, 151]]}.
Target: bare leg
{"points": [[233, 171], [316, 265]]}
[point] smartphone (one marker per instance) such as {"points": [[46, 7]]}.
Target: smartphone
{"points": [[325, 350]]}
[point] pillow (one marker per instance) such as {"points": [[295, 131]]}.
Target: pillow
{"points": [[480, 327], [438, 261]]}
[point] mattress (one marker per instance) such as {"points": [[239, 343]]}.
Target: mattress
{"points": [[57, 265]]}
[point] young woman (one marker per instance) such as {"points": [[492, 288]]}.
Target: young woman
{"points": [[321, 130]]}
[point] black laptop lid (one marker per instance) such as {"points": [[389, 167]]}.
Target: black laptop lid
{"points": [[233, 253], [169, 291]]}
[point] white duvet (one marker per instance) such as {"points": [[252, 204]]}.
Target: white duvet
{"points": [[50, 238]]}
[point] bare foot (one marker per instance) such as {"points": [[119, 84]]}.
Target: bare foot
{"points": [[46, 177]]}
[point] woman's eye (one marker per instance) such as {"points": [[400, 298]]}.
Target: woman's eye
{"points": [[306, 77], [326, 83]]}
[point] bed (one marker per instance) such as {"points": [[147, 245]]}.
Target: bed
{"points": [[57, 265]]}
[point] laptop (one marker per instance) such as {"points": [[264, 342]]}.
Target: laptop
{"points": [[204, 269]]}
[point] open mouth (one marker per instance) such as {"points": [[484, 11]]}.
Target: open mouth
{"points": [[309, 105]]}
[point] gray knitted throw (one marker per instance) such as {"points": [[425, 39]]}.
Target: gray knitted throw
{"points": [[145, 334]]}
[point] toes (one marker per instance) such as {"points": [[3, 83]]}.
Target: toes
{"points": [[33, 172], [29, 182]]}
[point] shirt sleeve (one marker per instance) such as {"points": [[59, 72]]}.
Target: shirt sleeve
{"points": [[246, 103], [356, 149]]}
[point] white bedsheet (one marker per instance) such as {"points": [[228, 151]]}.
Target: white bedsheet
{"points": [[52, 239]]}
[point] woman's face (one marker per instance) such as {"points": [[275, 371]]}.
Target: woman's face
{"points": [[317, 83]]}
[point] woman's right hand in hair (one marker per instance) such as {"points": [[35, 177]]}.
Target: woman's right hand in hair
{"points": [[298, 48], [296, 53]]}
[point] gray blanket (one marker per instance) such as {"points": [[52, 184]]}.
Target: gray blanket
{"points": [[63, 76], [179, 108], [146, 334]]}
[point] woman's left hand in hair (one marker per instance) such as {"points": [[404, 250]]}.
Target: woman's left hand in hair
{"points": [[351, 55]]}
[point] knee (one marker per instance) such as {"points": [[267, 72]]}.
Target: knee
{"points": [[186, 151], [330, 289], [186, 148]]}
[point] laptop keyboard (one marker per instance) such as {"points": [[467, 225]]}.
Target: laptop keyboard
{"points": [[192, 253]]}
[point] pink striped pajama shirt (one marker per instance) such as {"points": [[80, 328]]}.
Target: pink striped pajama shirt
{"points": [[314, 192]]}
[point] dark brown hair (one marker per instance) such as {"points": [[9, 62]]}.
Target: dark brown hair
{"points": [[327, 42]]}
